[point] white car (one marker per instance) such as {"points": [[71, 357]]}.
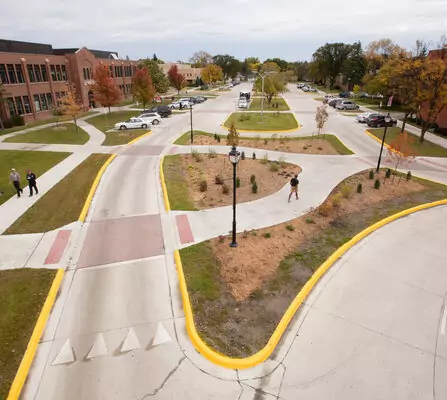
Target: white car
{"points": [[184, 104], [347, 105], [361, 118], [132, 123], [242, 103], [153, 118]]}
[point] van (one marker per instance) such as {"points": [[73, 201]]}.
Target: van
{"points": [[245, 95]]}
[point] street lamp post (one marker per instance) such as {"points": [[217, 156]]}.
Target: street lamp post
{"points": [[190, 115], [234, 157], [387, 121], [262, 90]]}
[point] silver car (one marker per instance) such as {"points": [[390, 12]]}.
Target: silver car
{"points": [[361, 118], [346, 105]]}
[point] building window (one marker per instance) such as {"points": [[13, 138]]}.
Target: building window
{"points": [[31, 73], [37, 103], [27, 105], [84, 70], [19, 72], [11, 106], [58, 73], [19, 105], [43, 68], [110, 70], [49, 100], [37, 74], [64, 73], [3, 75], [11, 74], [43, 102], [53, 73]]}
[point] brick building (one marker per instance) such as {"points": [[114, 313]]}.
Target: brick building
{"points": [[35, 76], [190, 73]]}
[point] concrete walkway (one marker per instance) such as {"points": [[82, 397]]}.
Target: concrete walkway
{"points": [[96, 136]]}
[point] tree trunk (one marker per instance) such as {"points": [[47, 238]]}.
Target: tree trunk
{"points": [[404, 122], [109, 110], [2, 127], [423, 131], [76, 125]]}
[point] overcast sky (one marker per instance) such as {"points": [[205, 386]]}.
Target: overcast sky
{"points": [[174, 29]]}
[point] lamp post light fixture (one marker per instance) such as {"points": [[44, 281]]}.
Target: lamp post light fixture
{"points": [[387, 121], [234, 157], [190, 117], [263, 76]]}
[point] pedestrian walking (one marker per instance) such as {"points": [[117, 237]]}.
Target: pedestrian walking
{"points": [[14, 177], [31, 178], [294, 187]]}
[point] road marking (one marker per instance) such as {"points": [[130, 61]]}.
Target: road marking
{"points": [[161, 336], [66, 354], [57, 249], [444, 321], [131, 342], [98, 349]]}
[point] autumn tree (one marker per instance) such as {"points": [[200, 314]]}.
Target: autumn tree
{"points": [[400, 150], [176, 79], [159, 79], [253, 63], [379, 52], [212, 73], [230, 66], [104, 89], [142, 88], [70, 106], [200, 59], [321, 117], [282, 64], [233, 136], [3, 94], [274, 81]]}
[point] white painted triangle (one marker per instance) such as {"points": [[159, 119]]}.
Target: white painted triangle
{"points": [[65, 355], [161, 336], [98, 349], [131, 342]]}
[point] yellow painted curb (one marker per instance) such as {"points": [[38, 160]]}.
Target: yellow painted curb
{"points": [[264, 131], [263, 354], [95, 184], [379, 141], [27, 360], [138, 138], [163, 186]]}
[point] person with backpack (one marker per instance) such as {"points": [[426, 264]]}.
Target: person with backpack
{"points": [[31, 178], [14, 178], [294, 187]]}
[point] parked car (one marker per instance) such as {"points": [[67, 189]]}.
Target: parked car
{"points": [[181, 104], [361, 118], [347, 105], [329, 97], [163, 111], [199, 99], [309, 89], [133, 123], [300, 85], [334, 102], [153, 117], [344, 95], [245, 95], [378, 121], [242, 103]]}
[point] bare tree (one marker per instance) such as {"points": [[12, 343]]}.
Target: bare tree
{"points": [[321, 117]]}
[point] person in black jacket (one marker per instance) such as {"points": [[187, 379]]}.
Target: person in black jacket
{"points": [[31, 177], [294, 187]]}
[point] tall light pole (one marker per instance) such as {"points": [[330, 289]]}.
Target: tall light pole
{"points": [[190, 117], [263, 76], [387, 121], [234, 157]]}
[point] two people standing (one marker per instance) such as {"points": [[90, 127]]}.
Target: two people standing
{"points": [[14, 178]]}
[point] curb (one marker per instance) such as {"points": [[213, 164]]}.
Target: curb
{"points": [[379, 141], [95, 184], [27, 360], [263, 354], [163, 186], [139, 138]]}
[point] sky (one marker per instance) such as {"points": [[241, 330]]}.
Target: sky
{"points": [[175, 29]]}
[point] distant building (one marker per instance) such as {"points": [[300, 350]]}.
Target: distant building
{"points": [[190, 73], [35, 76]]}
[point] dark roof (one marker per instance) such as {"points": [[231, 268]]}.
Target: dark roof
{"points": [[103, 53], [61, 52], [14, 46]]}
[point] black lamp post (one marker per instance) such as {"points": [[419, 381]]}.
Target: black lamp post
{"points": [[190, 115], [387, 121], [234, 157]]}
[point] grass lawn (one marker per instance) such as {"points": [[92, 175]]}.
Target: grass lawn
{"points": [[176, 184], [67, 197], [37, 161], [62, 134], [23, 292], [375, 103], [425, 149], [271, 122], [123, 137], [104, 122], [255, 104], [40, 123]]}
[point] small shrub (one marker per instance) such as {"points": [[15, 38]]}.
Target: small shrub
{"points": [[245, 234], [196, 155], [290, 228], [225, 189], [254, 233], [325, 209], [273, 167], [377, 184], [218, 180], [243, 155], [310, 221], [215, 137], [320, 148], [346, 191], [254, 156], [282, 162], [252, 179], [203, 185], [336, 200], [267, 235], [266, 141], [408, 176], [238, 182], [254, 187], [359, 188], [218, 139], [304, 147], [371, 174], [274, 137], [221, 238], [265, 159], [388, 173], [212, 153]]}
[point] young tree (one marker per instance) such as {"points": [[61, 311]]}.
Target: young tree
{"points": [[401, 151], [142, 88], [70, 106], [3, 94], [273, 85], [176, 79], [233, 136], [212, 73], [159, 79], [321, 117], [104, 89]]}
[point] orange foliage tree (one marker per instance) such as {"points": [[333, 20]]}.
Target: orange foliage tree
{"points": [[401, 151], [176, 79], [70, 106], [104, 89], [142, 87]]}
